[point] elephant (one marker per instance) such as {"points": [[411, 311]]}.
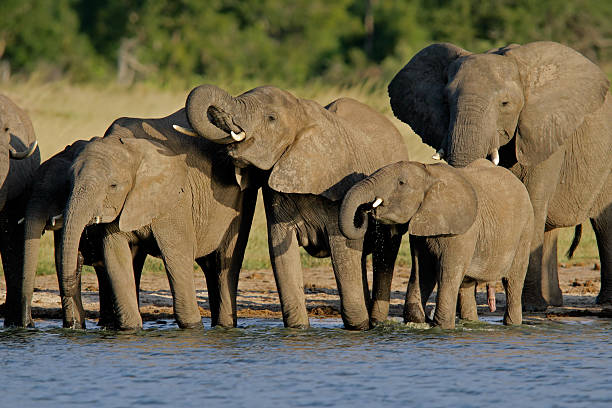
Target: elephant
{"points": [[474, 222], [543, 111], [308, 156], [44, 212], [173, 195], [19, 158]]}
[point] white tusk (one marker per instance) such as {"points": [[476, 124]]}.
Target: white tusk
{"points": [[21, 221], [97, 219], [377, 202], [184, 130], [55, 218], [238, 137], [495, 157], [439, 155]]}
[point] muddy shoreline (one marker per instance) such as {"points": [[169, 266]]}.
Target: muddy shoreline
{"points": [[257, 295]]}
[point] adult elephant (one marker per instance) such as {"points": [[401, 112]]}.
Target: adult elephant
{"points": [[44, 212], [542, 110], [19, 158], [311, 156], [174, 195]]}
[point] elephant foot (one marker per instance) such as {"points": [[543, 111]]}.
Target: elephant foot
{"points": [[364, 325], [195, 325], [413, 313], [604, 299], [379, 312]]}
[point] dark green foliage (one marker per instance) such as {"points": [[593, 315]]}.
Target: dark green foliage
{"points": [[275, 41]]}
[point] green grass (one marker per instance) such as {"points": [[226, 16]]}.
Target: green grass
{"points": [[62, 113]]}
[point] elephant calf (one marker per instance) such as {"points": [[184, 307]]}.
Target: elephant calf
{"points": [[475, 222]]}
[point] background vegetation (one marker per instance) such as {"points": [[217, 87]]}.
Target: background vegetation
{"points": [[76, 65]]}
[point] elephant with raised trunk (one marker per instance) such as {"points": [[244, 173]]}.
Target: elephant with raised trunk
{"points": [[475, 222], [541, 110], [310, 155], [44, 212], [19, 158], [173, 195]]}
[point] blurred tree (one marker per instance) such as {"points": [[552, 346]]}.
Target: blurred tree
{"points": [[41, 34]]}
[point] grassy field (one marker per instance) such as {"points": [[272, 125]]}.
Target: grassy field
{"points": [[62, 113]]}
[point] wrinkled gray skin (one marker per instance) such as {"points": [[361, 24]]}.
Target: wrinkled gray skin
{"points": [[19, 158], [548, 111], [310, 156], [173, 195], [45, 206], [475, 222]]}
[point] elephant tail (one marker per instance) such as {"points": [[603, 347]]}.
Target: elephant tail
{"points": [[575, 241]]}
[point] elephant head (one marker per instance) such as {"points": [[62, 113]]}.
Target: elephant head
{"points": [[431, 199], [16, 140], [121, 179], [307, 148], [469, 105]]}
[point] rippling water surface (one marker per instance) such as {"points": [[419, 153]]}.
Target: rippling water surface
{"points": [[542, 363]]}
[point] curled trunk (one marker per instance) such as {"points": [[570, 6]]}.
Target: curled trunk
{"points": [[198, 106], [353, 219]]}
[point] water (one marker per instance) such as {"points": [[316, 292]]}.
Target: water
{"points": [[261, 364]]}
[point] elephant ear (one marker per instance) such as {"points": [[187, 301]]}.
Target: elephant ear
{"points": [[158, 184], [561, 87], [449, 207], [417, 92], [316, 163]]}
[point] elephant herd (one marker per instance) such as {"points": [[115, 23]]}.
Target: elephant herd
{"points": [[526, 132]]}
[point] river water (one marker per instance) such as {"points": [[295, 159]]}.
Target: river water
{"points": [[261, 364]]}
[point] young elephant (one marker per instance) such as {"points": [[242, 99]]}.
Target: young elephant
{"points": [[310, 155], [177, 197], [475, 222], [44, 211]]}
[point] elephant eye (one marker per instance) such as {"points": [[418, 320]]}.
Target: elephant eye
{"points": [[271, 117], [505, 103], [6, 129], [401, 182], [113, 186]]}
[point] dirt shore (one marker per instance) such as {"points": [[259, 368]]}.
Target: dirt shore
{"points": [[257, 295]]}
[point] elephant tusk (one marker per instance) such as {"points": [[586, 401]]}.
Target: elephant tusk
{"points": [[56, 218], [21, 220], [97, 219], [377, 202], [495, 157], [184, 130], [439, 155], [14, 154], [238, 137]]}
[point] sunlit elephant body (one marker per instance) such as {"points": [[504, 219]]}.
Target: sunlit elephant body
{"points": [[543, 111], [176, 197], [44, 212], [475, 222], [19, 158], [310, 156]]}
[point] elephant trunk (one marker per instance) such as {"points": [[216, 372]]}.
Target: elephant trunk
{"points": [[77, 215], [353, 219], [204, 105], [472, 133], [35, 220]]}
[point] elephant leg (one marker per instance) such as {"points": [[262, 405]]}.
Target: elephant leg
{"points": [[421, 284], [602, 225], [11, 248], [287, 268], [106, 298], [346, 262], [383, 263], [541, 282], [138, 259], [118, 260], [466, 303], [209, 266], [72, 306]]}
